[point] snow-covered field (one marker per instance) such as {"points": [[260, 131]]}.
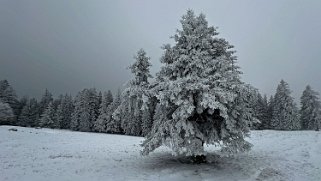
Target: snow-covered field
{"points": [[45, 154]]}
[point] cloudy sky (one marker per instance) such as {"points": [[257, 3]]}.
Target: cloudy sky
{"points": [[69, 45]]}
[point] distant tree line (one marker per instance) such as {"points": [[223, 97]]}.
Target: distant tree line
{"points": [[280, 112], [127, 113], [89, 110]]}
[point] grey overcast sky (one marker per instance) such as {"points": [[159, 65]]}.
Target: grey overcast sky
{"points": [[69, 45]]}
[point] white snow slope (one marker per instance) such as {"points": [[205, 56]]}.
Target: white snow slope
{"points": [[46, 154]]}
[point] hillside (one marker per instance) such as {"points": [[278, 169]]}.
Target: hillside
{"points": [[46, 154]]}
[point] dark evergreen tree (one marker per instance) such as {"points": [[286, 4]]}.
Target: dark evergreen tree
{"points": [[109, 98], [57, 102], [85, 112], [101, 121], [149, 108], [29, 114], [8, 95], [6, 113], [24, 117], [285, 113], [132, 101], [44, 102], [64, 112], [268, 124], [22, 102], [100, 100], [310, 109], [34, 115], [114, 125], [262, 111], [47, 119]]}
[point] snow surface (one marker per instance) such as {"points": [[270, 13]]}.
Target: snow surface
{"points": [[46, 154]]}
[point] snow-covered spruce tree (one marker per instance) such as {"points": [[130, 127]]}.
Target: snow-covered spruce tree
{"points": [[8, 95], [114, 125], [201, 97], [268, 125], [253, 103], [85, 113], [57, 102], [94, 103], [99, 99], [265, 116], [285, 115], [60, 113], [45, 100], [33, 113], [22, 102], [69, 108], [101, 121], [109, 98], [47, 118], [149, 107], [76, 114], [6, 113], [123, 114], [318, 123], [24, 116], [29, 115], [132, 95], [310, 109], [262, 114], [64, 112]]}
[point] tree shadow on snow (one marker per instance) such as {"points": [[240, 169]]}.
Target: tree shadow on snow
{"points": [[242, 166]]}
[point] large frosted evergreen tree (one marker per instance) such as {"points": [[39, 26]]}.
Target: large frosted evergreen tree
{"points": [[201, 97], [132, 96], [310, 109], [285, 114]]}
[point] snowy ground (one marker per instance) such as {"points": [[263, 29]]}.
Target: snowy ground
{"points": [[45, 154]]}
